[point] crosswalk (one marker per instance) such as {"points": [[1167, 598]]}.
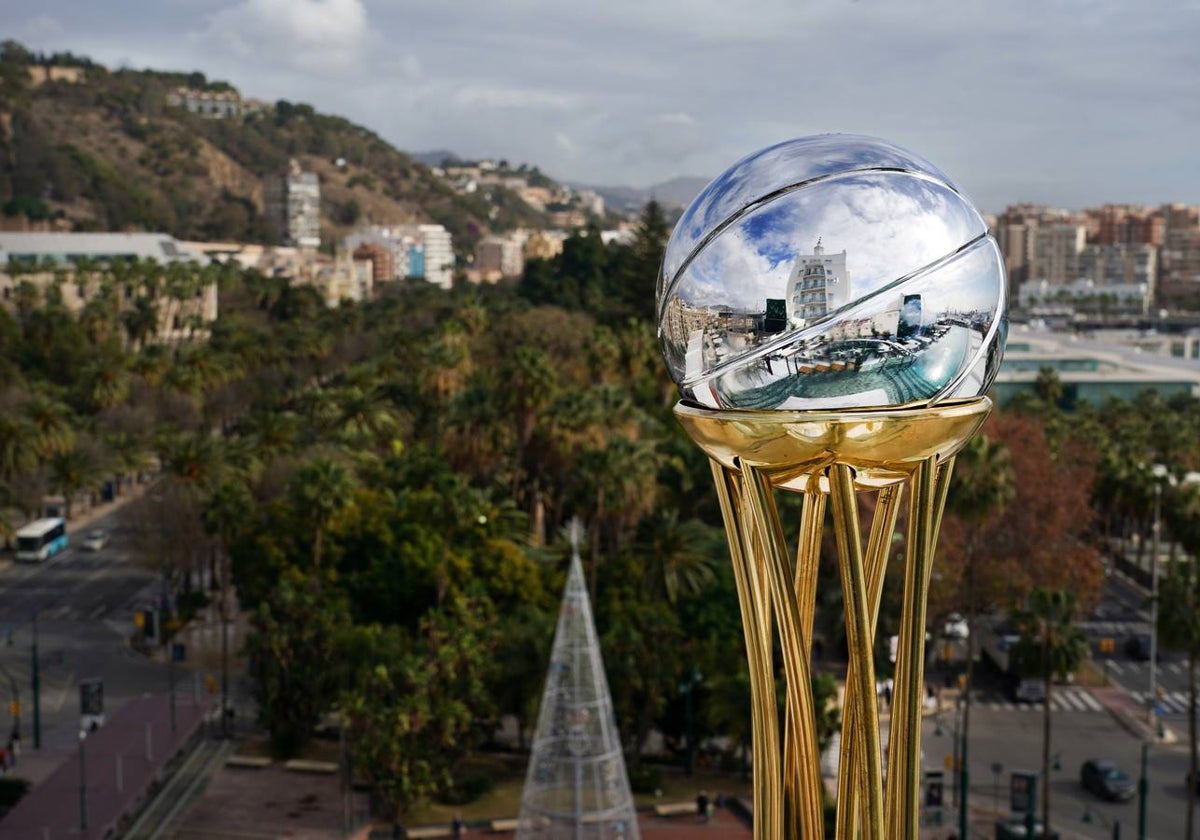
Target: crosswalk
{"points": [[1066, 699], [1172, 702]]}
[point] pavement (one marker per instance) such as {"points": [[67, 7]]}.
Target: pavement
{"points": [[87, 795]]}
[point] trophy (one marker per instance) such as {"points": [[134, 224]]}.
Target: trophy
{"points": [[832, 309]]}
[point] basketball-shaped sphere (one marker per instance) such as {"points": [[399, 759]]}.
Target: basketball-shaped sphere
{"points": [[831, 272]]}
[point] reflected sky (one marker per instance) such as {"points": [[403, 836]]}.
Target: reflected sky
{"points": [[905, 230], [778, 167], [889, 224]]}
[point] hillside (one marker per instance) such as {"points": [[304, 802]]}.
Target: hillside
{"points": [[93, 149]]}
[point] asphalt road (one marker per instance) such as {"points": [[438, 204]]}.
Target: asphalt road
{"points": [[85, 604], [1012, 738]]}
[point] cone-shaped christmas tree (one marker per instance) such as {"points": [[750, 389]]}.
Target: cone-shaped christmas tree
{"points": [[576, 787]]}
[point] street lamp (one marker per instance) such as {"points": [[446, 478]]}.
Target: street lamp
{"points": [[35, 678], [1152, 699], [83, 815], [688, 687]]}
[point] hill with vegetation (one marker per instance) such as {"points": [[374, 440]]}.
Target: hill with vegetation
{"points": [[102, 150]]}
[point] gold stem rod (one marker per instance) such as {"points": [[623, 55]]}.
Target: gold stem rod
{"points": [[869, 775], [768, 806]]}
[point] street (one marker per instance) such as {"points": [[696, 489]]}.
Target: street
{"points": [[85, 604], [1012, 738]]}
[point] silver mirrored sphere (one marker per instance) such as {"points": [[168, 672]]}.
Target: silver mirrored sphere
{"points": [[831, 272]]}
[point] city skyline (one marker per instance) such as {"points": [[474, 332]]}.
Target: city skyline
{"points": [[1074, 104]]}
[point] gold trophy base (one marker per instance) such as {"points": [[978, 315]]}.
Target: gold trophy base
{"points": [[832, 455]]}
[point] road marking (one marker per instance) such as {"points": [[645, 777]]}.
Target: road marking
{"points": [[1092, 703], [63, 692], [1114, 667], [1175, 667], [96, 613], [1068, 699]]}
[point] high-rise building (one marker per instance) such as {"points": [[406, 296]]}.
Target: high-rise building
{"points": [[1107, 265], [819, 284], [1055, 252], [293, 206], [418, 251]]}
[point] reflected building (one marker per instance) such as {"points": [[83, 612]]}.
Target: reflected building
{"points": [[819, 284]]}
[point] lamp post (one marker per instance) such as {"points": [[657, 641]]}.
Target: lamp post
{"points": [[83, 814], [37, 689], [1152, 699], [1143, 789], [688, 687]]}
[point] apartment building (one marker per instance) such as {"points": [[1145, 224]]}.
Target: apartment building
{"points": [[423, 251], [292, 204]]}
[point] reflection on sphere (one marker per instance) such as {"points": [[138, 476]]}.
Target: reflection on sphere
{"points": [[831, 272]]}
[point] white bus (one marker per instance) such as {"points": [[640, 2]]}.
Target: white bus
{"points": [[41, 539]]}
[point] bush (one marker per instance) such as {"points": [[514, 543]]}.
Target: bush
{"points": [[466, 791], [645, 779]]}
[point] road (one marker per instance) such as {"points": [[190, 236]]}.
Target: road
{"points": [[85, 604], [1013, 739]]}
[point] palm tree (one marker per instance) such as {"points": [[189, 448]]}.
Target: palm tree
{"points": [[1050, 646], [75, 470], [320, 490], [18, 452], [1179, 623], [55, 433], [680, 557], [226, 511]]}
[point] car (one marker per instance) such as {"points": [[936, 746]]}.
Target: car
{"points": [[955, 627], [1103, 778], [1137, 647], [95, 540]]}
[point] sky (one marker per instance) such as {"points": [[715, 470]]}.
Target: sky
{"points": [[1071, 103]]}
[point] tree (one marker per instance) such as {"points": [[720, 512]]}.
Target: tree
{"points": [[320, 490], [1179, 626], [295, 658], [1050, 646], [413, 719], [226, 512]]}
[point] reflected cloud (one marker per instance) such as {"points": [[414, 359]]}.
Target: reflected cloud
{"points": [[873, 286]]}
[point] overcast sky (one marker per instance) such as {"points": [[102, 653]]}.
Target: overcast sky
{"points": [[1067, 102]]}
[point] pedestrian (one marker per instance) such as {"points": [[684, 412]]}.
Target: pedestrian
{"points": [[887, 694], [702, 806], [456, 827]]}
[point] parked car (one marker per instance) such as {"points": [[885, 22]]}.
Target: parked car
{"points": [[1107, 781], [1015, 830], [955, 627], [95, 540], [1137, 647]]}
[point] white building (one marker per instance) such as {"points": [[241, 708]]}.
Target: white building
{"points": [[419, 251], [293, 206], [1041, 297], [819, 284], [178, 319]]}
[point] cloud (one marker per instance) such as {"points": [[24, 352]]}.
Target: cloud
{"points": [[42, 26], [312, 35], [564, 144], [677, 118], [488, 96]]}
